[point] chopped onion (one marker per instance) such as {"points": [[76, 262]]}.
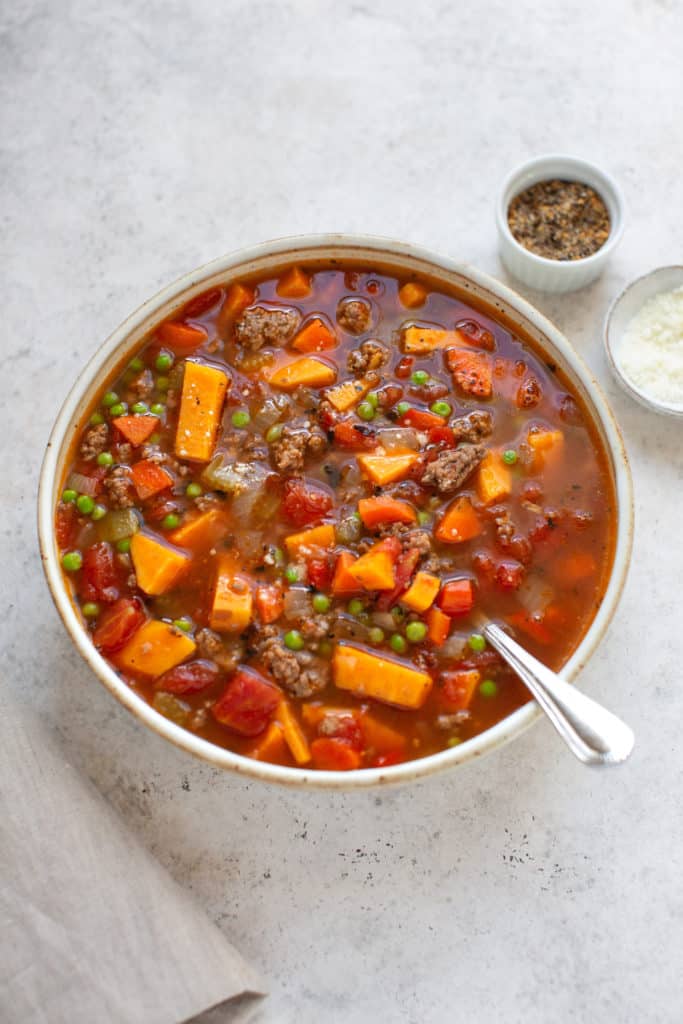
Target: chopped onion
{"points": [[455, 646], [252, 545], [270, 412], [298, 603], [535, 594], [393, 438], [234, 477], [118, 524], [385, 620], [83, 484]]}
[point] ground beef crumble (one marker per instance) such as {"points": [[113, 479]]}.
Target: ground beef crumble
{"points": [[300, 673], [294, 444], [354, 315], [94, 442], [474, 427], [259, 326], [451, 468], [142, 386], [119, 487], [371, 355], [212, 646]]}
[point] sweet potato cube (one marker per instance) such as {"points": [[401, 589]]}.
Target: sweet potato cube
{"points": [[423, 340], [317, 537], [314, 336], [412, 294], [494, 479], [459, 523], [201, 404], [343, 583], [374, 570], [385, 469], [383, 679], [348, 394], [155, 648], [271, 745], [421, 593], [295, 283], [547, 446], [293, 733], [158, 566], [305, 372], [232, 605], [202, 531]]}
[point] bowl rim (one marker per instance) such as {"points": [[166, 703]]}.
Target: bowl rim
{"points": [[609, 191], [640, 396], [308, 247]]}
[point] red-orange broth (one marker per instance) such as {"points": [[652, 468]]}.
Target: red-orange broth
{"points": [[297, 570]]}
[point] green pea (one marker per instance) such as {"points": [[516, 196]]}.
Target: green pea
{"points": [[355, 606], [510, 456], [419, 377], [292, 574], [373, 399], [441, 409], [398, 613], [139, 408], [123, 545], [163, 362], [240, 418], [487, 688], [402, 408], [99, 512], [85, 504], [91, 610], [163, 383], [454, 741], [183, 624], [416, 632], [477, 642], [136, 364], [376, 635], [274, 433], [170, 521], [111, 398], [105, 459], [69, 495], [193, 490], [96, 419], [72, 561], [294, 640], [423, 518], [158, 409], [366, 411], [321, 603], [119, 409], [397, 643]]}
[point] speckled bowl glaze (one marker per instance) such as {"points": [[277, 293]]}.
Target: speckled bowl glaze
{"points": [[266, 259]]}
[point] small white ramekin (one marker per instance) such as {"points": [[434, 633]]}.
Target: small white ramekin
{"points": [[557, 275]]}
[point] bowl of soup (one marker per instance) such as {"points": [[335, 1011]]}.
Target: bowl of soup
{"points": [[283, 497]]}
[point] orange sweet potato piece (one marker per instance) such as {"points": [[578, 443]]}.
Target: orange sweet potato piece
{"points": [[201, 404], [438, 626], [343, 583], [136, 429], [158, 566], [295, 283], [314, 336], [459, 523], [421, 592], [304, 372], [375, 569], [346, 395], [458, 686], [472, 371], [293, 733], [232, 604], [149, 478], [412, 294], [155, 648], [269, 602], [383, 679], [202, 531], [385, 469], [271, 745], [374, 511], [494, 479], [317, 537], [380, 738], [547, 446], [422, 340]]}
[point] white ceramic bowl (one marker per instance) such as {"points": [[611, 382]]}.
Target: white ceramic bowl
{"points": [[557, 275], [267, 259], [622, 311]]}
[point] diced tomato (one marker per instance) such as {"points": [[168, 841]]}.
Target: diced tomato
{"points": [[343, 725], [442, 436], [334, 755], [269, 602], [420, 419], [387, 760], [149, 479], [533, 625], [117, 624], [304, 502], [458, 688], [191, 677], [404, 367], [389, 395], [354, 437], [203, 303], [475, 334], [183, 339], [509, 575], [66, 524], [100, 578], [405, 567], [456, 597], [160, 507], [320, 573], [247, 704], [327, 416]]}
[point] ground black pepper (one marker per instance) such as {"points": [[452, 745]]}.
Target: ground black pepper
{"points": [[561, 220]]}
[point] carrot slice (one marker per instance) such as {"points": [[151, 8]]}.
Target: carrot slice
{"points": [[374, 511], [314, 336], [334, 755], [182, 338], [343, 583], [136, 429], [149, 478], [293, 733]]}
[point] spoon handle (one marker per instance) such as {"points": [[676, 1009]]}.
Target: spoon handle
{"points": [[591, 732]]}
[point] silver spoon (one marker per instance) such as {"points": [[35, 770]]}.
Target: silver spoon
{"points": [[592, 733]]}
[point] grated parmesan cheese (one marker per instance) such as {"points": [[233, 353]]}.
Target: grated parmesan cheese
{"points": [[651, 351]]}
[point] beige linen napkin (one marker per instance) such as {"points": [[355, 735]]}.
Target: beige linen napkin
{"points": [[92, 929]]}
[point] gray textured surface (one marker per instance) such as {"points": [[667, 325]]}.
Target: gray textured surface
{"points": [[141, 140]]}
